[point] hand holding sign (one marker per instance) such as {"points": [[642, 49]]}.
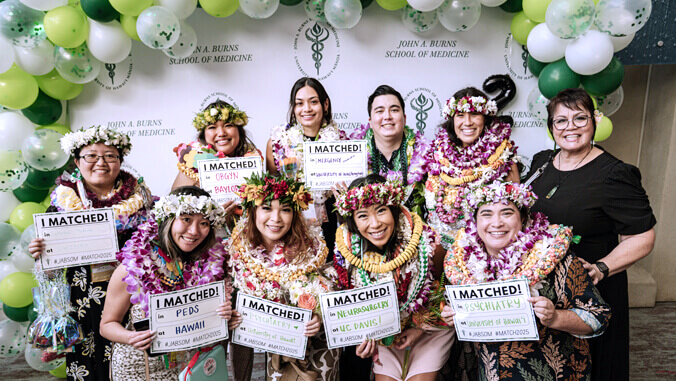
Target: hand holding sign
{"points": [[36, 247], [312, 327], [224, 309], [140, 340], [447, 314], [544, 309]]}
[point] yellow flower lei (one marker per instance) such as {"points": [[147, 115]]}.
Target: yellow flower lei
{"points": [[372, 263], [493, 162], [68, 199]]}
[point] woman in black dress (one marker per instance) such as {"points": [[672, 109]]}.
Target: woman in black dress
{"points": [[583, 186]]}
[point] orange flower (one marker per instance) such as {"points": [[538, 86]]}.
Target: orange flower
{"points": [[307, 301]]}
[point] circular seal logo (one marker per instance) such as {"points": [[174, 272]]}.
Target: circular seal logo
{"points": [[210, 366], [115, 76], [316, 49], [516, 59], [426, 105], [217, 95]]}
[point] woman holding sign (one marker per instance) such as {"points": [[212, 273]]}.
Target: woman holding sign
{"points": [[381, 241], [276, 256], [175, 249], [97, 182], [502, 242]]}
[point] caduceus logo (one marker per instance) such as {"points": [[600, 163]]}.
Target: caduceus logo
{"points": [[422, 105], [111, 72], [317, 35], [524, 57]]}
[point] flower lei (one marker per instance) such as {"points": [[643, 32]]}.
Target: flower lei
{"points": [[270, 276], [144, 266], [417, 149], [189, 154], [389, 193], [469, 104], [265, 188], [96, 134], [454, 168], [533, 255], [412, 262], [172, 205], [500, 191], [226, 113]]}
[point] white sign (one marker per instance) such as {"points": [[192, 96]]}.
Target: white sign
{"points": [[496, 311], [327, 163], [222, 177], [187, 319], [271, 327], [77, 238], [352, 316]]}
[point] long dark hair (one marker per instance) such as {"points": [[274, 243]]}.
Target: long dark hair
{"points": [[245, 144], [574, 99], [296, 240], [321, 93], [449, 126]]}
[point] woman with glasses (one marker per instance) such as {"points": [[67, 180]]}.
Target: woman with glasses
{"points": [[583, 186], [97, 182]]}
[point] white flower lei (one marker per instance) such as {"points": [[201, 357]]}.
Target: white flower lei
{"points": [[174, 205], [96, 134]]}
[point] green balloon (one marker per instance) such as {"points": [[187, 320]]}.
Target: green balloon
{"points": [[606, 81], [22, 215], [56, 87], [290, 2], [603, 130], [47, 202], [17, 314], [45, 110], [536, 9], [129, 26], [26, 193], [41, 180], [99, 10], [60, 128], [59, 372], [512, 6], [391, 5], [32, 313], [16, 289], [521, 27], [18, 89], [219, 8], [555, 77], [535, 66], [365, 3], [131, 7], [66, 26]]}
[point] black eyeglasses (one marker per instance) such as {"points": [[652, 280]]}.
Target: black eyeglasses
{"points": [[579, 121], [94, 158]]}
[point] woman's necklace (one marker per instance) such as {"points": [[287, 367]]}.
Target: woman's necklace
{"points": [[556, 187]]}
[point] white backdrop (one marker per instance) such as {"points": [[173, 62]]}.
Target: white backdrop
{"points": [[253, 64]]}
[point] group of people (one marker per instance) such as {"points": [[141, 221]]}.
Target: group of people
{"points": [[448, 212]]}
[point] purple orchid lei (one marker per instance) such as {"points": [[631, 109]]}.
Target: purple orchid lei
{"points": [[140, 257]]}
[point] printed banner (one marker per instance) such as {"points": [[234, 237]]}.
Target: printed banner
{"points": [[327, 163], [271, 327], [222, 177], [496, 311], [352, 316], [76, 238], [187, 319]]}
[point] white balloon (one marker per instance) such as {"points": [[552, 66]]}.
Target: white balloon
{"points": [[589, 53], [186, 44], [418, 22], [76, 65], [108, 42], [425, 5], [27, 236], [609, 104], [459, 15], [6, 268], [7, 57], [343, 14], [570, 18], [545, 46], [7, 204], [38, 60], [14, 129], [258, 9], [44, 5], [620, 43], [622, 17], [492, 3], [181, 8], [12, 338], [34, 359], [22, 262]]}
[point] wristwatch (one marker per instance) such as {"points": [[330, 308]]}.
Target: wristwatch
{"points": [[603, 268]]}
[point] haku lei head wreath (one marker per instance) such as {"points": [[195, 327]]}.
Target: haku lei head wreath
{"points": [[226, 113], [266, 188], [388, 193], [499, 192], [171, 206], [469, 104], [72, 141]]}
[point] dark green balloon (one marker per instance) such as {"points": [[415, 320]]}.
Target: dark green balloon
{"points": [[42, 179], [535, 66], [45, 110], [606, 81], [512, 6], [99, 10], [555, 77], [26, 193], [17, 314], [290, 2], [32, 314], [365, 3]]}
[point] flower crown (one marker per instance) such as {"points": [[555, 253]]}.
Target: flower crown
{"points": [[226, 113], [96, 134], [172, 205], [265, 188], [499, 192], [387, 193], [469, 104]]}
